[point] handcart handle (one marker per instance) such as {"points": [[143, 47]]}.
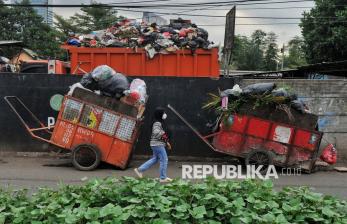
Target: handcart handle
{"points": [[190, 126], [28, 128]]}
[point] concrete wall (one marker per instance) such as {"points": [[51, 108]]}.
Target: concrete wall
{"points": [[187, 95], [326, 98]]}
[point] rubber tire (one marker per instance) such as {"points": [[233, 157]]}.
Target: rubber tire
{"points": [[97, 157], [267, 153]]}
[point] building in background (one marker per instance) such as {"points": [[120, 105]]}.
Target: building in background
{"points": [[45, 12], [150, 17]]}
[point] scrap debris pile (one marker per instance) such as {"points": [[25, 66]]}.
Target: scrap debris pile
{"points": [[179, 34], [253, 96], [103, 80]]}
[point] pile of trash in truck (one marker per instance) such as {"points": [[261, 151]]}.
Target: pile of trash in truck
{"points": [[105, 81], [179, 34]]}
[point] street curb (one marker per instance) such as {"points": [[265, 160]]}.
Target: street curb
{"points": [[134, 157]]}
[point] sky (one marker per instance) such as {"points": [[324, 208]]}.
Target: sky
{"points": [[215, 27]]}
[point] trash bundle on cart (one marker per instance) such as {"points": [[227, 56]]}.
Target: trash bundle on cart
{"points": [[104, 80], [99, 119], [264, 125], [179, 34]]}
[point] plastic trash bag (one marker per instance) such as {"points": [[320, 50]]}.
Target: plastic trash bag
{"points": [[150, 51], [74, 86], [202, 33], [225, 100], [298, 105], [280, 92], [164, 42], [138, 89], [88, 82], [102, 72], [74, 42], [329, 154], [5, 66], [4, 60], [259, 88], [235, 91], [114, 86]]}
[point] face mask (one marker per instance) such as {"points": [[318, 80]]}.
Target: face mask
{"points": [[164, 116]]}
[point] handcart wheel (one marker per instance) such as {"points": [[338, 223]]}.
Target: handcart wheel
{"points": [[86, 157], [260, 157]]}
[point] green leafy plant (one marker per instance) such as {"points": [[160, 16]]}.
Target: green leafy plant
{"points": [[131, 200], [244, 103]]}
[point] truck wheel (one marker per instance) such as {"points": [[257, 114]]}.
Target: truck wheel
{"points": [[260, 157], [86, 157]]}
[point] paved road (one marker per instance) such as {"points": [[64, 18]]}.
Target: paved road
{"points": [[19, 172]]}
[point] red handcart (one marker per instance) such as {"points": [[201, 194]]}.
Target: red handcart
{"points": [[95, 128], [263, 142]]}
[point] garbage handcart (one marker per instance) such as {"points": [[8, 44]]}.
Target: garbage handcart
{"points": [[263, 142], [95, 128]]}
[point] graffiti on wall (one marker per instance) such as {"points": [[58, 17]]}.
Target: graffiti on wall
{"points": [[331, 112]]}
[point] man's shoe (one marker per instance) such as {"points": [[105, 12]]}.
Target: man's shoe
{"points": [[166, 180], [139, 174]]}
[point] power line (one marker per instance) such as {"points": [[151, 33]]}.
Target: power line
{"points": [[262, 24], [224, 3], [216, 16], [142, 1], [234, 2], [179, 14], [266, 8], [277, 2]]}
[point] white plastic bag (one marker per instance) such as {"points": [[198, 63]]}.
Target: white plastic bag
{"points": [[235, 91], [74, 86], [138, 87]]}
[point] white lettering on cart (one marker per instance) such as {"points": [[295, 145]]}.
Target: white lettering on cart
{"points": [[50, 122], [68, 132], [85, 132]]}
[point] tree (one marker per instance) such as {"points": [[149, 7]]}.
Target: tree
{"points": [[248, 53], [65, 26], [239, 54], [271, 53], [296, 53], [324, 30], [256, 51], [259, 38], [95, 18], [24, 24]]}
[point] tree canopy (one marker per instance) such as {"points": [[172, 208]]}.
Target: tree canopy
{"points": [[296, 53], [24, 24], [258, 52], [324, 31], [64, 26], [94, 18], [271, 52]]}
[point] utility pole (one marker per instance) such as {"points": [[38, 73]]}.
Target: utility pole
{"points": [[282, 51]]}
